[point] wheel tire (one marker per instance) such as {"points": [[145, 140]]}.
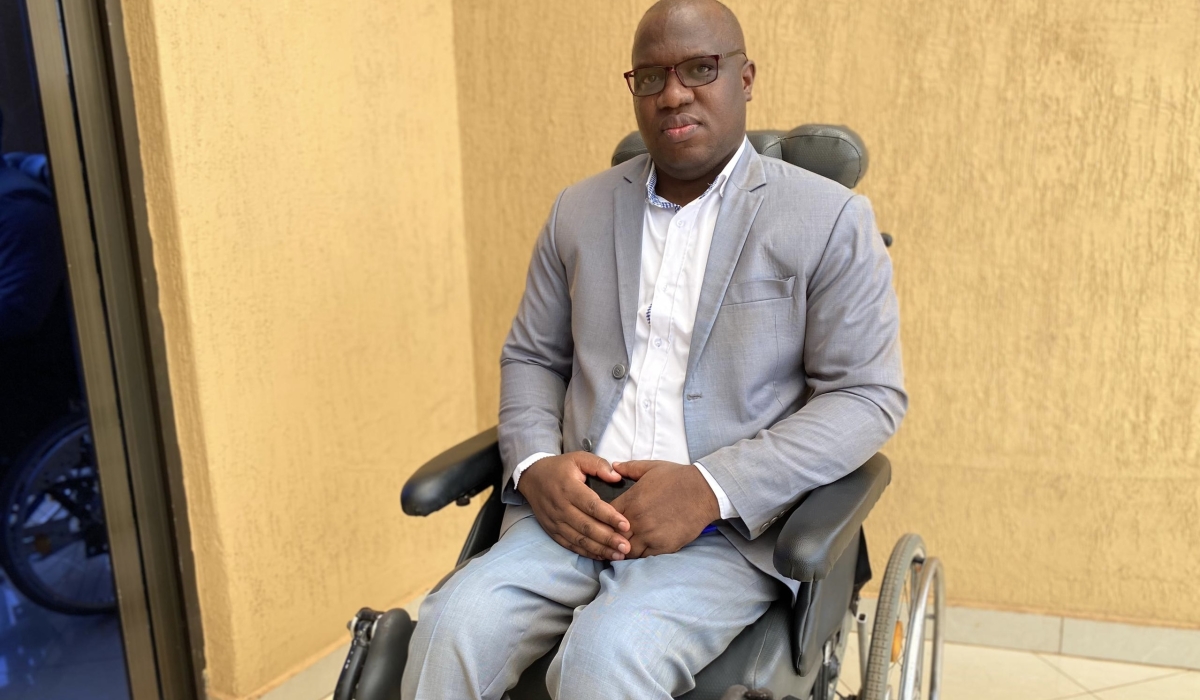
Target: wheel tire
{"points": [[909, 549], [11, 489]]}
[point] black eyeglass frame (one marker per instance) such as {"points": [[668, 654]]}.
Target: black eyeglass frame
{"points": [[628, 75]]}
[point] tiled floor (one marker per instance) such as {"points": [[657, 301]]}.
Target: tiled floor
{"points": [[48, 656], [983, 673]]}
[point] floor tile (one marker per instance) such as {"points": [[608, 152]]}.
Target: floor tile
{"points": [[99, 680], [979, 673], [1181, 686], [1098, 675], [49, 656], [848, 681]]}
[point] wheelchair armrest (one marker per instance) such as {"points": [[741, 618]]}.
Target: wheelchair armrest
{"points": [[819, 529], [455, 475]]}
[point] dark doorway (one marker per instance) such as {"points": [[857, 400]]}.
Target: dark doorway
{"points": [[60, 635], [97, 597]]}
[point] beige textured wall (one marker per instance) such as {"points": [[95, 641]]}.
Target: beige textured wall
{"points": [[304, 187], [1038, 162]]}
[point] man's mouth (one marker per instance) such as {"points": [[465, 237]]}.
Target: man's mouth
{"points": [[680, 133]]}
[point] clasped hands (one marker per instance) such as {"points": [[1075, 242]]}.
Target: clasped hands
{"points": [[668, 505]]}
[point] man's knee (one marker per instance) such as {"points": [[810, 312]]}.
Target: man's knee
{"points": [[445, 651], [616, 647], [466, 597]]}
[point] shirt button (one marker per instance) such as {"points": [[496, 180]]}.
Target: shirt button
{"points": [[658, 342], [646, 404], [587, 444], [618, 371]]}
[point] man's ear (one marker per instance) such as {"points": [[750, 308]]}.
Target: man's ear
{"points": [[748, 72]]}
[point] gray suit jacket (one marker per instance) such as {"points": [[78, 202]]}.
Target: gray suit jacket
{"points": [[794, 376]]}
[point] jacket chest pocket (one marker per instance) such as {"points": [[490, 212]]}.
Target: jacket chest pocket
{"points": [[758, 290]]}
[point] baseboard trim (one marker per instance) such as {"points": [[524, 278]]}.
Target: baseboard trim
{"points": [[316, 682], [1058, 634]]}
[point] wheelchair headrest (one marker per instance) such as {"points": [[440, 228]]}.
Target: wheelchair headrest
{"points": [[835, 152]]}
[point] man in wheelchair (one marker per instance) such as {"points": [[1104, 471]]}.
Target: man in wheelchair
{"points": [[706, 336]]}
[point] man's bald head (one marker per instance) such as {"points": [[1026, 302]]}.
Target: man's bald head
{"points": [[692, 132], [719, 19]]}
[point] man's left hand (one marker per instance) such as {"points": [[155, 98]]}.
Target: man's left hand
{"points": [[668, 506]]}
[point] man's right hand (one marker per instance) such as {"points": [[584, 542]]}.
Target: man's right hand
{"points": [[572, 513]]}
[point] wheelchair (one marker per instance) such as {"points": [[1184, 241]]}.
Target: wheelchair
{"points": [[53, 538], [796, 649]]}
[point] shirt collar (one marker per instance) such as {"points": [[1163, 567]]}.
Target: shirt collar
{"points": [[718, 184]]}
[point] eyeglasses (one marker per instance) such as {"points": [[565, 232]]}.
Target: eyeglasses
{"points": [[693, 72]]}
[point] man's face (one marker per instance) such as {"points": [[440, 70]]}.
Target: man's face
{"points": [[689, 131]]}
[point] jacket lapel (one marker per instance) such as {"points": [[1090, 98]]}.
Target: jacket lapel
{"points": [[629, 201], [743, 196]]}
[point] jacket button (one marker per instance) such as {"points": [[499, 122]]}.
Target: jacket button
{"points": [[618, 371], [587, 444]]}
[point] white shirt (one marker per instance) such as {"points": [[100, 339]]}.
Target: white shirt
{"points": [[648, 422]]}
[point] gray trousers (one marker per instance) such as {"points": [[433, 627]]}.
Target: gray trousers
{"points": [[639, 628]]}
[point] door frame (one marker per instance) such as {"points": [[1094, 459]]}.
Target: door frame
{"points": [[83, 70]]}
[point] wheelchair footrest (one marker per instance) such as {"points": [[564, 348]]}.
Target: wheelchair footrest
{"points": [[378, 653]]}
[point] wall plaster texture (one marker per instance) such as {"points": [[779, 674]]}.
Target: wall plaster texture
{"points": [[305, 202]]}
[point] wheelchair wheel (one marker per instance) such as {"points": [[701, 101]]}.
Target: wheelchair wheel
{"points": [[911, 598], [53, 540]]}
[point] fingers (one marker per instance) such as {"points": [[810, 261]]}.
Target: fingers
{"points": [[572, 514], [595, 530], [582, 534], [566, 543], [596, 466], [603, 530], [587, 545], [637, 548], [593, 506], [635, 469]]}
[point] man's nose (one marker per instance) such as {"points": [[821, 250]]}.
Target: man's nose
{"points": [[674, 94]]}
